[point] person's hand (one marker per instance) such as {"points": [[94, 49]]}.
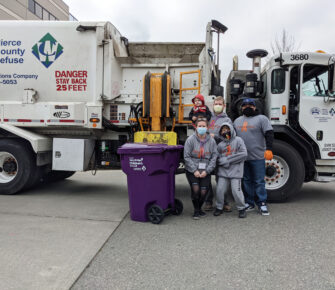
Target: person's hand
{"points": [[194, 118], [268, 155], [197, 174], [212, 135], [203, 174]]}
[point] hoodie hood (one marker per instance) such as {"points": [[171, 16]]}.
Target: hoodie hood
{"points": [[200, 97], [232, 131]]}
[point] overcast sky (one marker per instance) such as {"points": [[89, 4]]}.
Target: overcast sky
{"points": [[251, 24]]}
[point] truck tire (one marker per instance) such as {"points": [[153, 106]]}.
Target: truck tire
{"points": [[285, 173], [17, 165], [36, 177], [55, 175]]}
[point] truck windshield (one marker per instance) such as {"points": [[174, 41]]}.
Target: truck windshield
{"points": [[315, 80]]}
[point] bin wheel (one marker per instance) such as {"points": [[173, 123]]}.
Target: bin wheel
{"points": [[178, 207], [155, 214]]}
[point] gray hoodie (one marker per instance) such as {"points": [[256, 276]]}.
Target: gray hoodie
{"points": [[216, 123], [196, 151], [232, 154]]}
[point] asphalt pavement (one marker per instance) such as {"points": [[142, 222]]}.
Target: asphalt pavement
{"points": [[77, 234], [293, 248], [49, 234]]}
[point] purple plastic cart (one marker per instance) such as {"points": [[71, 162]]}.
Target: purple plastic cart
{"points": [[150, 170]]}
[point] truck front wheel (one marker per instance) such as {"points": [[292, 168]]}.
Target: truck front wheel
{"points": [[285, 173], [16, 165]]}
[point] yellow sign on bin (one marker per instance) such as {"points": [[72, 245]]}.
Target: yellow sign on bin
{"points": [[168, 138]]}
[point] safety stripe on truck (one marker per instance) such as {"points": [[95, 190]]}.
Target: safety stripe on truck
{"points": [[66, 121], [23, 121], [42, 121]]}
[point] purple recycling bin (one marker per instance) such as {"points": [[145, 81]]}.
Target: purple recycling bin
{"points": [[150, 170]]}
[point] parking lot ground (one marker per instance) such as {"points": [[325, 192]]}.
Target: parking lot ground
{"points": [[48, 235], [293, 248]]}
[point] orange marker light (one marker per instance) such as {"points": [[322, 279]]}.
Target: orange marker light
{"points": [[94, 120], [94, 125], [320, 51], [283, 110]]}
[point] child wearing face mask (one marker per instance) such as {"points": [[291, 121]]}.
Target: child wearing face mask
{"points": [[219, 117], [232, 154], [199, 109]]}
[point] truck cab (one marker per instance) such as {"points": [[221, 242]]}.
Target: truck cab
{"points": [[295, 91]]}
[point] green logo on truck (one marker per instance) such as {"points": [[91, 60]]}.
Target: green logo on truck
{"points": [[47, 50]]}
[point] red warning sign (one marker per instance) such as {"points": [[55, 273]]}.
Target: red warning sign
{"points": [[75, 80]]}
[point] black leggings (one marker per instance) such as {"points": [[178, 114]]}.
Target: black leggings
{"points": [[199, 188]]}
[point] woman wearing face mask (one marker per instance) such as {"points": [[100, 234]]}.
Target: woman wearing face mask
{"points": [[200, 154]]}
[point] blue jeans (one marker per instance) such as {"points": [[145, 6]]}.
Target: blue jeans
{"points": [[253, 181]]}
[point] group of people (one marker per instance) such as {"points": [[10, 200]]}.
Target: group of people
{"points": [[234, 152]]}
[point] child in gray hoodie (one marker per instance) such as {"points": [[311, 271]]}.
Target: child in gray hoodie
{"points": [[232, 154]]}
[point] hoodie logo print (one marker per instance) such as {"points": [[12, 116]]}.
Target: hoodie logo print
{"points": [[228, 150], [211, 125], [244, 127]]}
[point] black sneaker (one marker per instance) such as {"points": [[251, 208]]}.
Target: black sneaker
{"points": [[242, 213], [202, 214], [249, 207], [196, 215], [217, 212], [263, 209]]}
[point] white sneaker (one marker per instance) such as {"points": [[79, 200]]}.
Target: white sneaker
{"points": [[249, 207], [263, 209]]}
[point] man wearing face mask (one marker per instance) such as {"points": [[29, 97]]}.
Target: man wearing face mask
{"points": [[257, 133], [219, 117]]}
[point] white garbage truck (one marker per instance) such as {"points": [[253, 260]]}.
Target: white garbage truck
{"points": [[295, 90], [71, 93]]}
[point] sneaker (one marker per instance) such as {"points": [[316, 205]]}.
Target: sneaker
{"points": [[202, 214], [242, 213], [208, 207], [217, 212], [263, 209], [227, 208], [249, 207], [196, 215]]}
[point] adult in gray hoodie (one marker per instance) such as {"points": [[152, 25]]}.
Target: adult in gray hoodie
{"points": [[232, 154], [200, 154], [219, 117]]}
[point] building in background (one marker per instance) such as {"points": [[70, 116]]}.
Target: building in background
{"points": [[34, 10]]}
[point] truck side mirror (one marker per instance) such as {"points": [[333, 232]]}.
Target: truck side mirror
{"points": [[331, 74]]}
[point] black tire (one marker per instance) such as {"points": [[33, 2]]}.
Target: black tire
{"points": [[36, 177], [54, 175], [178, 207], [25, 162], [296, 172], [155, 214]]}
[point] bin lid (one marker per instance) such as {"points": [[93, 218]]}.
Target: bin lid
{"points": [[141, 148]]}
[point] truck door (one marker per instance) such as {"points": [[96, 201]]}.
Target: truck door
{"points": [[316, 112]]}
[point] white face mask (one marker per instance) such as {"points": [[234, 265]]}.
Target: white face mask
{"points": [[218, 108]]}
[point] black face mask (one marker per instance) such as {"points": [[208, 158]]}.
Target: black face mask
{"points": [[226, 135], [248, 112]]}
